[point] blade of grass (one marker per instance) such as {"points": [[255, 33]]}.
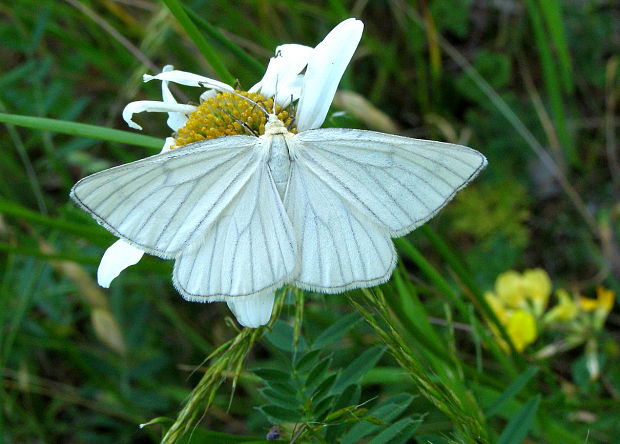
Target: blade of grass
{"points": [[93, 233], [454, 262], [516, 430], [411, 313], [211, 31], [176, 319], [442, 285], [201, 43], [30, 274], [139, 55], [31, 173], [552, 14], [551, 76], [37, 253], [82, 130], [449, 395], [452, 259], [511, 391], [432, 274]]}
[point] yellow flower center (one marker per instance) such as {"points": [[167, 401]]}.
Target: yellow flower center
{"points": [[227, 114]]}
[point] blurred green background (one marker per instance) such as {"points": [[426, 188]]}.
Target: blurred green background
{"points": [[532, 85]]}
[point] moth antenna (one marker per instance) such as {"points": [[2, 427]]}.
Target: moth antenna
{"points": [[243, 124], [259, 103], [252, 101], [274, 97]]}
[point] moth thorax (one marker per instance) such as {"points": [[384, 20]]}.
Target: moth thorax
{"points": [[227, 114]]}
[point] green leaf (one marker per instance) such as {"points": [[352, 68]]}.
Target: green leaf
{"points": [[350, 412], [284, 388], [271, 374], [322, 406], [281, 336], [280, 399], [349, 396], [318, 372], [307, 361], [387, 411], [198, 435], [335, 331], [358, 368], [324, 387], [346, 403], [397, 433], [277, 414], [452, 15], [82, 130], [516, 430], [511, 391]]}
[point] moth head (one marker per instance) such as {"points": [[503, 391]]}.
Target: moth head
{"points": [[275, 125], [230, 113]]}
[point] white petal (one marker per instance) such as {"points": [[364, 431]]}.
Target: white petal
{"points": [[153, 106], [116, 258], [208, 94], [189, 79], [175, 121], [169, 142], [325, 68], [165, 91], [282, 73], [253, 311]]}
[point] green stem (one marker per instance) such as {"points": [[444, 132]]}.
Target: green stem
{"points": [[82, 130]]}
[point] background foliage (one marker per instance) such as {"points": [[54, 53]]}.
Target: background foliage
{"points": [[532, 85]]}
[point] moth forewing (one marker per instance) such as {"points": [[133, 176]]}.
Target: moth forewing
{"points": [[163, 204], [397, 182]]}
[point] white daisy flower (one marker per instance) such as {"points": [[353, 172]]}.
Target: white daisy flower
{"points": [[296, 73]]}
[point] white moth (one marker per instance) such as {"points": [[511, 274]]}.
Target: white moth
{"points": [[243, 215]]}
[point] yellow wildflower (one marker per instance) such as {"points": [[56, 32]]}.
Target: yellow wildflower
{"points": [[519, 302], [565, 310], [604, 301], [508, 287], [528, 290], [522, 329], [520, 324], [601, 306], [537, 288]]}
